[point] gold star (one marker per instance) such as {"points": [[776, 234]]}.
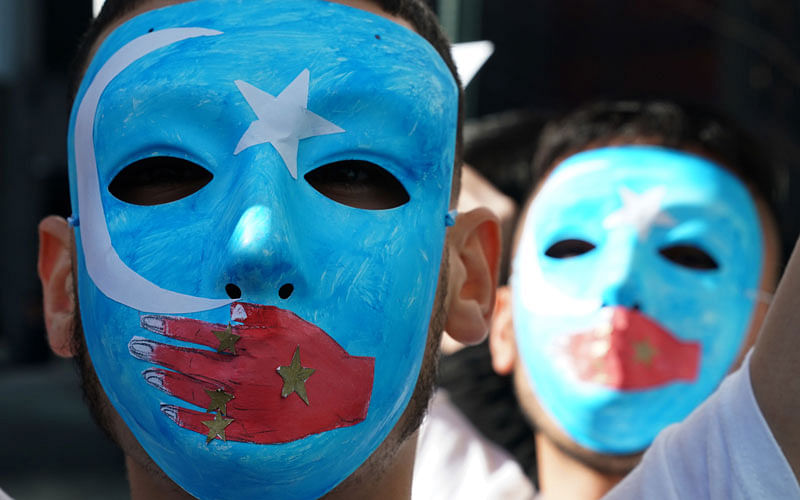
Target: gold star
{"points": [[644, 352], [227, 339], [216, 427], [219, 400], [294, 377]]}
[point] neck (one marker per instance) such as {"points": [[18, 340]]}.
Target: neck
{"points": [[381, 481], [562, 476]]}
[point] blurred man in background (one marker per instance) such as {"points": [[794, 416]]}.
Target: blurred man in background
{"points": [[643, 266]]}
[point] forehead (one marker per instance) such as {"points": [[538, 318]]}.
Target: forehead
{"points": [[363, 69], [346, 19], [148, 5], [597, 175]]}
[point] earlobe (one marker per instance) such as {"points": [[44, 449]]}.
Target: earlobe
{"points": [[474, 246], [501, 336], [55, 273]]}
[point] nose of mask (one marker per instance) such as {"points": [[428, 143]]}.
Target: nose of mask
{"points": [[261, 256]]}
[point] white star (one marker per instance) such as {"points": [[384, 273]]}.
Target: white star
{"points": [[283, 121], [642, 211]]}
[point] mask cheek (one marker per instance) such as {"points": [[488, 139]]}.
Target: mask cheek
{"points": [[107, 328], [563, 274], [166, 244], [691, 304], [727, 330], [543, 338], [711, 313]]}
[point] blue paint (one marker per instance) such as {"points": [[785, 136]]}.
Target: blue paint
{"points": [[355, 272], [702, 205], [253, 231]]}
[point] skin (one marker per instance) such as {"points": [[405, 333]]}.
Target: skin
{"points": [[477, 191], [464, 303], [566, 469], [773, 367]]}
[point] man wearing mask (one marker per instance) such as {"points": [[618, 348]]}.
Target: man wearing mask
{"points": [[263, 244], [643, 267]]}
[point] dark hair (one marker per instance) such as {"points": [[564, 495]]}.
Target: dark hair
{"points": [[668, 124], [416, 12]]}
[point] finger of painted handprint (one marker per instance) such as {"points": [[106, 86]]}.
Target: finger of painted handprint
{"points": [[287, 380], [333, 401], [194, 362]]}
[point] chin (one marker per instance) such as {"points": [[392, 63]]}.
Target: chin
{"points": [[545, 427]]}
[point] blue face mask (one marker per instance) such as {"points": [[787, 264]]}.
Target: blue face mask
{"points": [[261, 336], [634, 284]]}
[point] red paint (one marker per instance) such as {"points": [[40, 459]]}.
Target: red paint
{"points": [[339, 390], [632, 352]]}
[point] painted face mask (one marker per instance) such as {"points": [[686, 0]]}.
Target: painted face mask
{"points": [[261, 334], [634, 284]]}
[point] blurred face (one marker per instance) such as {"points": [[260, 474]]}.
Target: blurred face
{"points": [[634, 284], [261, 194]]}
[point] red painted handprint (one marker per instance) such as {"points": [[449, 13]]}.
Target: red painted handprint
{"points": [[273, 378]]}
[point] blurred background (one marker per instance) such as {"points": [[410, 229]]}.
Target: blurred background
{"points": [[741, 57]]}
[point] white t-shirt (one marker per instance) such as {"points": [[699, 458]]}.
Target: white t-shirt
{"points": [[455, 462], [723, 450]]}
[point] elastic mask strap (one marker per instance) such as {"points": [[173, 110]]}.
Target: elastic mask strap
{"points": [[450, 218], [760, 296]]}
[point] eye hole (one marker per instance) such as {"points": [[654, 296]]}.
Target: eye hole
{"points": [[358, 184], [689, 256], [158, 180], [566, 249]]}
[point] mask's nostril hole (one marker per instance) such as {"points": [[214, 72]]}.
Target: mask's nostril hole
{"points": [[233, 291], [286, 291]]}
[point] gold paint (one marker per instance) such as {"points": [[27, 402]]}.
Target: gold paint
{"points": [[219, 400], [294, 377], [644, 352], [227, 339], [216, 427]]}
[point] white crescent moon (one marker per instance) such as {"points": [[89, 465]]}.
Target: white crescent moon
{"points": [[113, 277]]}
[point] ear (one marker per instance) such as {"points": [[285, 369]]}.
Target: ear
{"points": [[55, 273], [502, 344], [474, 248]]}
